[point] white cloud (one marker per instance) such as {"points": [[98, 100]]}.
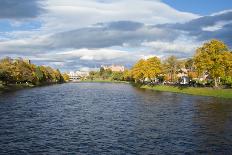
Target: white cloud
{"points": [[88, 69], [183, 44], [217, 26], [94, 54], [134, 32], [71, 14]]}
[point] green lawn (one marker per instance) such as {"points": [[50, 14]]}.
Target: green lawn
{"points": [[222, 93]]}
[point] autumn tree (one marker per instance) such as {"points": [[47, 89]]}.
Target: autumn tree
{"points": [[65, 76], [153, 68], [127, 75], [138, 71], [214, 58], [149, 68], [171, 65], [20, 71]]}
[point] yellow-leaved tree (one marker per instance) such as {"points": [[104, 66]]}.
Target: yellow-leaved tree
{"points": [[214, 58], [139, 70], [153, 68], [149, 68]]}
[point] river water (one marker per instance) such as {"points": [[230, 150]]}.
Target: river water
{"points": [[104, 118]]}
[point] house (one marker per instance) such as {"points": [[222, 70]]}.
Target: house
{"points": [[183, 76], [184, 80]]}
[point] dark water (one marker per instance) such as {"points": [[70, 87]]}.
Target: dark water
{"points": [[96, 118]]}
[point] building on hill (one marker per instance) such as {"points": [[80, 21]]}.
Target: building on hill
{"points": [[114, 68], [77, 75], [19, 59]]}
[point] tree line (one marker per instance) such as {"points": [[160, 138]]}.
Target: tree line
{"points": [[20, 71], [212, 60]]}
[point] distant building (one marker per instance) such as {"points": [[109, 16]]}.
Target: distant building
{"points": [[17, 60], [114, 68], [182, 73], [183, 76], [27, 61], [77, 75]]}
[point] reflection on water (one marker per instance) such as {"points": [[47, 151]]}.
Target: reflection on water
{"points": [[96, 118]]}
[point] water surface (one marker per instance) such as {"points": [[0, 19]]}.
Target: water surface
{"points": [[104, 118]]}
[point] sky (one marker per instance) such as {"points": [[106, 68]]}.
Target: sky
{"points": [[85, 34]]}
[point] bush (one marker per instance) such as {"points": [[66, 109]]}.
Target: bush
{"points": [[227, 80]]}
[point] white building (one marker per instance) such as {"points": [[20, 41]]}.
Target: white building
{"points": [[77, 75]]}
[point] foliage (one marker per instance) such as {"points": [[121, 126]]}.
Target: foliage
{"points": [[13, 71], [214, 58], [118, 76], [149, 69], [65, 76], [170, 66], [227, 80], [138, 71]]}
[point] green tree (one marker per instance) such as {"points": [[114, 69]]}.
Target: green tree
{"points": [[7, 68], [102, 70], [118, 76], [5, 76], [127, 75], [107, 74]]}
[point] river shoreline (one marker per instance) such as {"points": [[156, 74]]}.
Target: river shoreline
{"points": [[12, 87], [219, 93], [210, 92]]}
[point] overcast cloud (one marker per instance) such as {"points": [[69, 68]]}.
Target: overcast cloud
{"points": [[77, 34], [20, 9]]}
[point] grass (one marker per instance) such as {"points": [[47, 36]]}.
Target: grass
{"points": [[221, 93]]}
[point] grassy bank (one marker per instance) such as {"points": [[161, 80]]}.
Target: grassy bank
{"points": [[222, 93]]}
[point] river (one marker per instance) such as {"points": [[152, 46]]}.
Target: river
{"points": [[105, 118]]}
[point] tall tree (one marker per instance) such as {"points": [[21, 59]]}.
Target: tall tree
{"points": [[154, 68], [139, 70], [171, 65], [214, 58]]}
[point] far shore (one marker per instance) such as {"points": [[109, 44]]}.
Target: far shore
{"points": [[198, 91], [11, 87], [220, 93]]}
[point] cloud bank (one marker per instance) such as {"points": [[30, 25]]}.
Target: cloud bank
{"points": [[80, 34], [17, 9]]}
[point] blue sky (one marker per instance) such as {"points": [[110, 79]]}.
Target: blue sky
{"points": [[202, 7], [77, 34]]}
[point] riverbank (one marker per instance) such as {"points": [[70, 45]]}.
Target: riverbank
{"points": [[221, 93], [11, 87], [14, 87]]}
